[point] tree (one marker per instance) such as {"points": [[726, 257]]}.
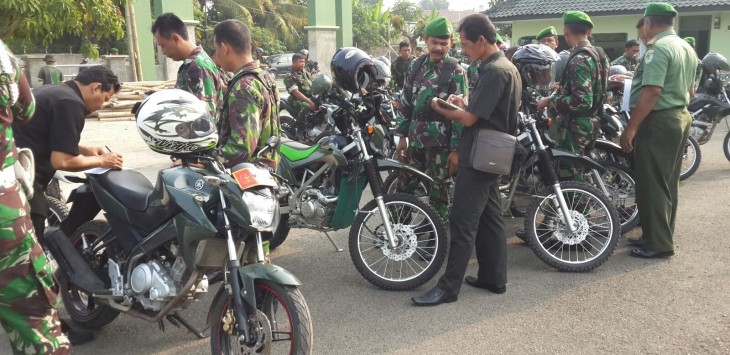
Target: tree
{"points": [[410, 12], [435, 4], [30, 22], [370, 24]]}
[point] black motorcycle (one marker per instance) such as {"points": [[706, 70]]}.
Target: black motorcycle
{"points": [[707, 110]]}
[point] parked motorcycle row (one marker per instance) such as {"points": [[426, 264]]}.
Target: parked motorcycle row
{"points": [[162, 246]]}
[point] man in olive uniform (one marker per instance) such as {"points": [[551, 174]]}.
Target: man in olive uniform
{"points": [[582, 88], [659, 126], [27, 299], [549, 37], [312, 67], [629, 58], [298, 84], [260, 58], [250, 114], [432, 139], [198, 74], [399, 68], [50, 75]]}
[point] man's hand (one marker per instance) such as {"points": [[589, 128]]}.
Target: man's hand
{"points": [[111, 160], [627, 139], [312, 106], [402, 151], [457, 100], [543, 104], [453, 163]]}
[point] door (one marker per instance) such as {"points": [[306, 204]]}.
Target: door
{"points": [[699, 28]]}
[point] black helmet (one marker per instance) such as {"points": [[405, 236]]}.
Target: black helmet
{"points": [[536, 63], [353, 69], [713, 62], [560, 64], [617, 69]]}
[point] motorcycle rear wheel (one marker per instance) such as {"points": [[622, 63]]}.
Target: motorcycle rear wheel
{"points": [[597, 233], [421, 240], [58, 211], [691, 159], [620, 182], [726, 146], [279, 235]]}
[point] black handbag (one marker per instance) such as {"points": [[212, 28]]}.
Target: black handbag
{"points": [[492, 151]]}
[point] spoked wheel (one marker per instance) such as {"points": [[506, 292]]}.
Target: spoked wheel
{"points": [[282, 324], [596, 224], [619, 180], [81, 306], [58, 211], [691, 158], [420, 238], [726, 146], [403, 181]]}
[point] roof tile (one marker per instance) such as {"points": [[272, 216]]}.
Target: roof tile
{"points": [[522, 8]]}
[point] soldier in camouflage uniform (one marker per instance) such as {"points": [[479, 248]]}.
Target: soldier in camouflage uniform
{"points": [[432, 139], [628, 59], [399, 68], [249, 114], [27, 299], [299, 86], [198, 74], [311, 66], [582, 88]]}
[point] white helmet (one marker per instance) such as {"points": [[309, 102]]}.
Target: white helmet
{"points": [[176, 122]]}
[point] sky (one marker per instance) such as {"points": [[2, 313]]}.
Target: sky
{"points": [[454, 4]]}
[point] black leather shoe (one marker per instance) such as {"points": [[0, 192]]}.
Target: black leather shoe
{"points": [[635, 242], [648, 254], [76, 337], [474, 282], [434, 297]]}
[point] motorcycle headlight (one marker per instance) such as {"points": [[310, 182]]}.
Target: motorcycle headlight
{"points": [[263, 208]]}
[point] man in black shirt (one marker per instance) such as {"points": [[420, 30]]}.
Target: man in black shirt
{"points": [[55, 131], [476, 215]]}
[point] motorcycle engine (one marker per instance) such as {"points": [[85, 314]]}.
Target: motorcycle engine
{"points": [[316, 208], [701, 129], [153, 283]]}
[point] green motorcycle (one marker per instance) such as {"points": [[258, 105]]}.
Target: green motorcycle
{"points": [[396, 241]]}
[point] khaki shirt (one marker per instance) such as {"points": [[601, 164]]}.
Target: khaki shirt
{"points": [[669, 63]]}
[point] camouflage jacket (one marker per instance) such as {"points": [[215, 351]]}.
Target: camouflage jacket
{"points": [[16, 103], [399, 70], [301, 81], [312, 67], [199, 75], [579, 86], [472, 74], [249, 117], [628, 63], [419, 122]]}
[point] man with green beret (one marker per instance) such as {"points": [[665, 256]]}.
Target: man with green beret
{"points": [[582, 87], [432, 139], [629, 58], [659, 127], [419, 51], [50, 75], [549, 37], [691, 41]]}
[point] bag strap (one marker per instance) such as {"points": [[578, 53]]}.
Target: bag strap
{"points": [[599, 56], [266, 82]]}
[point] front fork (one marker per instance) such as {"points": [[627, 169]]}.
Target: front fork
{"points": [[376, 185]]}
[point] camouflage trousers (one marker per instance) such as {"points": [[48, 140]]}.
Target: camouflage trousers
{"points": [[578, 136], [27, 299], [300, 108], [432, 162]]}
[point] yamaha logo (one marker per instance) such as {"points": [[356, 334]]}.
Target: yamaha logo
{"points": [[199, 185]]}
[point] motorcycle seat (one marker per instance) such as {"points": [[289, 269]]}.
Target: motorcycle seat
{"points": [[291, 144], [130, 187]]}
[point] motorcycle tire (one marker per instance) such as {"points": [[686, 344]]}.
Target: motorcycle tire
{"points": [[58, 211], [690, 167], [726, 146], [396, 177], [296, 314], [551, 246], [86, 314], [432, 252], [620, 180], [54, 190], [279, 235]]}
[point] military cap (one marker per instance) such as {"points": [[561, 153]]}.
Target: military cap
{"points": [[690, 40], [659, 9], [577, 17], [114, 50], [49, 58], [439, 27], [499, 39], [547, 32], [419, 48]]}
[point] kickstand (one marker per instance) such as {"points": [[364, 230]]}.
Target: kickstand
{"points": [[178, 321], [337, 249]]}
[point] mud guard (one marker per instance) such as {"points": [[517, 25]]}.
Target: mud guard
{"points": [[579, 159], [392, 164]]}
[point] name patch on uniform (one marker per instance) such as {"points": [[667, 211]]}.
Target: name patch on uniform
{"points": [[649, 56]]}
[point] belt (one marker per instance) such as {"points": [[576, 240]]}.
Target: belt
{"points": [[7, 176]]}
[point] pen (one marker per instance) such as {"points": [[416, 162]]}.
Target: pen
{"points": [[107, 148]]}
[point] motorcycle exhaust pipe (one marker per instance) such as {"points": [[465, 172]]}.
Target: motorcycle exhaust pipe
{"points": [[71, 265]]}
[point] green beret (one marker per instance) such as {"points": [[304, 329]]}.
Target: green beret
{"points": [[659, 9], [419, 48], [499, 39], [576, 17], [690, 40], [547, 32], [439, 27]]}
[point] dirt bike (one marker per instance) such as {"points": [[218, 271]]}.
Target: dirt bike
{"points": [[397, 242], [707, 112], [150, 257]]}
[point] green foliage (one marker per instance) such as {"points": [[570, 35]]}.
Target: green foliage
{"points": [[370, 25], [435, 4], [261, 37], [33, 22], [409, 11]]}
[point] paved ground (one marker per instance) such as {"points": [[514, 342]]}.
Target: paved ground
{"points": [[680, 305]]}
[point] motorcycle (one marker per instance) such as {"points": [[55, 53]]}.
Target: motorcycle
{"points": [[397, 242], [707, 111], [317, 125], [150, 257]]}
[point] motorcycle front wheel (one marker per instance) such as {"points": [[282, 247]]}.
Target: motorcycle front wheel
{"points": [[421, 243], [691, 158], [596, 234], [282, 324], [726, 146]]}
